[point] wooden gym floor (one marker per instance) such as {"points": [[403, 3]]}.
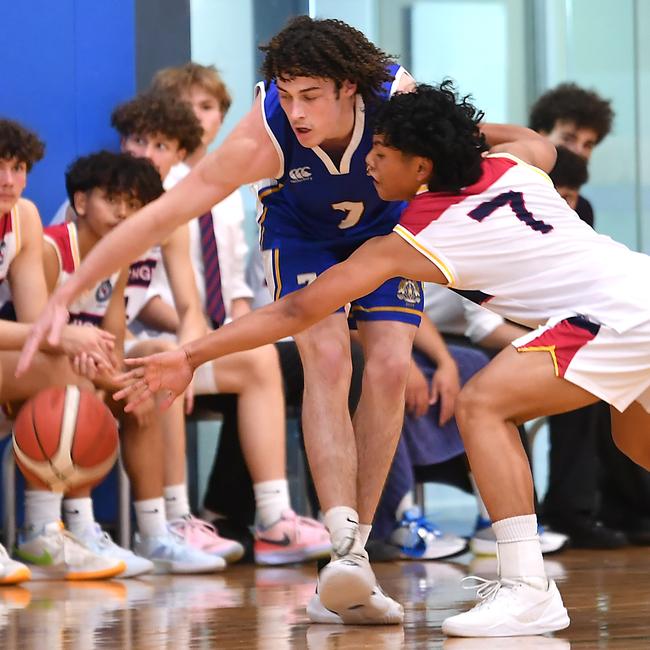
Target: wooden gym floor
{"points": [[607, 594]]}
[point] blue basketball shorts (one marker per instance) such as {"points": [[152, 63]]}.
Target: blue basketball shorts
{"points": [[293, 264]]}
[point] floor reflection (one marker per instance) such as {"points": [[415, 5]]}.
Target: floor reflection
{"points": [[264, 609]]}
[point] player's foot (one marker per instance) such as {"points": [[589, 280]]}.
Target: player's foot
{"points": [[484, 541], [200, 534], [510, 608], [291, 539], [11, 572], [100, 542], [420, 539], [56, 554], [170, 554], [379, 609]]}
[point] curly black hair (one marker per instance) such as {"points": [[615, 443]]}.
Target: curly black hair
{"points": [[328, 49], [568, 101], [18, 142], [159, 112], [437, 124], [116, 174], [570, 169]]}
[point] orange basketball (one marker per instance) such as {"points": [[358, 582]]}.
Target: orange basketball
{"points": [[65, 438]]}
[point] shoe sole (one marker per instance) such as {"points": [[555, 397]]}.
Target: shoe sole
{"points": [[339, 589], [559, 622], [54, 573], [21, 574]]}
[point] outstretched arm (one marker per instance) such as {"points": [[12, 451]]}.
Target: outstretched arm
{"points": [[370, 266]]}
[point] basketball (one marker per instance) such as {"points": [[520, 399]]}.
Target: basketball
{"points": [[65, 438]]}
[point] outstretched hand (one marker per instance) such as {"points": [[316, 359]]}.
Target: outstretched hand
{"points": [[49, 326], [167, 372]]}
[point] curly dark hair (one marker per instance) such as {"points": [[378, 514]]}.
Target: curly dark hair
{"points": [[116, 174], [570, 169], [159, 112], [568, 101], [18, 142], [437, 124], [328, 49]]}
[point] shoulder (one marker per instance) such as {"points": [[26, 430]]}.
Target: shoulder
{"points": [[28, 218]]}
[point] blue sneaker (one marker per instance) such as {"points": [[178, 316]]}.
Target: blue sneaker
{"points": [[484, 541], [420, 539]]}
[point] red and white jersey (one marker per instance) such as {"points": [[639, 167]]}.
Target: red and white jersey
{"points": [[141, 273], [9, 247], [90, 307], [512, 244]]}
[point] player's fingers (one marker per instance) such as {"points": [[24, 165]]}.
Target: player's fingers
{"points": [[130, 389], [134, 399], [59, 320], [28, 351], [136, 361]]}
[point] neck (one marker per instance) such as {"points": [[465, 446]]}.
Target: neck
{"points": [[86, 238], [196, 156]]}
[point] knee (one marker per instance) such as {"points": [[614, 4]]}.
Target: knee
{"points": [[329, 360], [263, 365], [387, 371], [470, 406]]}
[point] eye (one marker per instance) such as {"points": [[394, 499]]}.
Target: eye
{"points": [[161, 146]]}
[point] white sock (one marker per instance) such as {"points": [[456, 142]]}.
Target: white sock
{"points": [[41, 507], [177, 502], [518, 550], [482, 510], [364, 533], [342, 523], [405, 504], [78, 514], [150, 515], [271, 500]]}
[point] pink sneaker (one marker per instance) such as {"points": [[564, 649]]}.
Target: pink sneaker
{"points": [[201, 535], [291, 539]]}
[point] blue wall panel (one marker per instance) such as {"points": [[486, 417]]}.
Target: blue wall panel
{"points": [[70, 62]]}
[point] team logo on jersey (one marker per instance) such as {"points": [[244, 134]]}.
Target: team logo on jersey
{"points": [[409, 291], [300, 174], [3, 248], [141, 272], [104, 291]]}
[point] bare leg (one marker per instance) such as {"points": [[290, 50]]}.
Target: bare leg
{"points": [[256, 378], [511, 389], [380, 413], [329, 437], [631, 433]]}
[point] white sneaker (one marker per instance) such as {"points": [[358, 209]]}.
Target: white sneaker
{"points": [[11, 572], [510, 608], [379, 609], [346, 582], [56, 554], [100, 542], [170, 554]]}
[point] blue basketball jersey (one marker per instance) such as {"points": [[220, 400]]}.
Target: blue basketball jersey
{"points": [[315, 199]]}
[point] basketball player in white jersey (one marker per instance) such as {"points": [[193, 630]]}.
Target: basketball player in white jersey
{"points": [[23, 294], [488, 224]]}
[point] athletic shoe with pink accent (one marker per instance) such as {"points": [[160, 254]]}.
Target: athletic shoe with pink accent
{"points": [[203, 536], [291, 539]]}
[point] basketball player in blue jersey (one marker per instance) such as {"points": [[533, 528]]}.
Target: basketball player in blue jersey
{"points": [[309, 132]]}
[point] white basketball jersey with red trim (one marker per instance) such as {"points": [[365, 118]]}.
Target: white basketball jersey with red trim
{"points": [[512, 244], [141, 273], [90, 308], [9, 248]]}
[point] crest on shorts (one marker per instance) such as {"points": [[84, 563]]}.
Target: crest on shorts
{"points": [[409, 291], [104, 291]]}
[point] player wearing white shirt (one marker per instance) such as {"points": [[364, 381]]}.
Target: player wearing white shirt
{"points": [[495, 228]]}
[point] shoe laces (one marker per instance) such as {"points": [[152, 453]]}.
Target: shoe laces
{"points": [[101, 537], [71, 546], [486, 590]]}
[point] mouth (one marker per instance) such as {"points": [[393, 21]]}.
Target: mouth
{"points": [[301, 130]]}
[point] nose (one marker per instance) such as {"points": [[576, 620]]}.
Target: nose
{"points": [[121, 210], [369, 163], [6, 177], [297, 110]]}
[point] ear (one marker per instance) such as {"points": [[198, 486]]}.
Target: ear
{"points": [[424, 169], [348, 88], [181, 154], [79, 203]]}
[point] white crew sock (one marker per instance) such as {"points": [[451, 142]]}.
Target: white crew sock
{"points": [[405, 504], [342, 523], [482, 510], [271, 500], [150, 515], [41, 507], [518, 550], [78, 514], [364, 533], [177, 502]]}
